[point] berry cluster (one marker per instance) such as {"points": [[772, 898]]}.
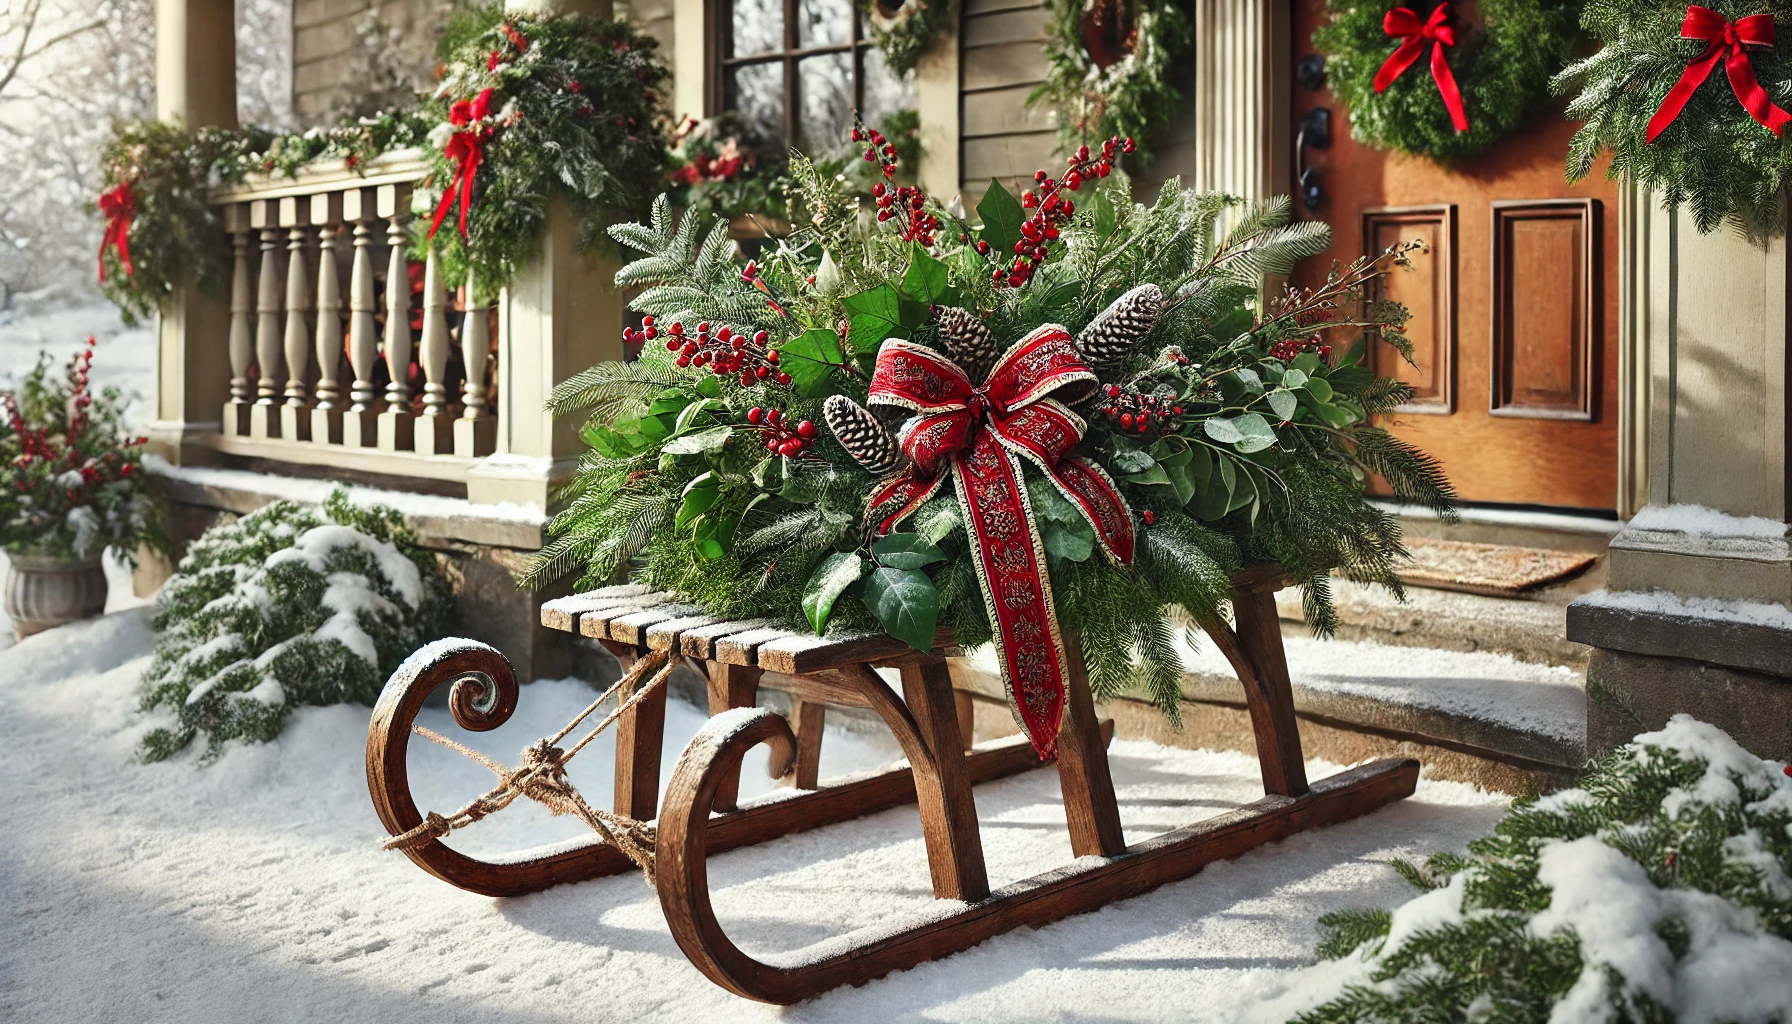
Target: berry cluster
{"points": [[910, 204], [726, 352], [882, 150], [780, 436], [1134, 412], [1052, 209], [1288, 348]]}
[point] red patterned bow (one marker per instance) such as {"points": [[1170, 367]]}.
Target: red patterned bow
{"points": [[1402, 22], [1726, 41], [119, 205], [466, 147], [979, 434]]}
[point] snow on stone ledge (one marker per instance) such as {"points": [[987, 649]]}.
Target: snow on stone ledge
{"points": [[315, 491], [1699, 521], [1661, 602]]}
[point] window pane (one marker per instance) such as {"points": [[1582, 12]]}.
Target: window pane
{"points": [[824, 22], [885, 93], [826, 115], [756, 94], [758, 27]]}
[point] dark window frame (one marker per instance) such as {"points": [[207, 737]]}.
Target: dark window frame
{"points": [[721, 44]]}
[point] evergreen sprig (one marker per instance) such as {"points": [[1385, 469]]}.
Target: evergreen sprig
{"points": [[1714, 158], [1502, 63], [1131, 97]]}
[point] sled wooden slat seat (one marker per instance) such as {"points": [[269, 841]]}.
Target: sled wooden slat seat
{"points": [[927, 716]]}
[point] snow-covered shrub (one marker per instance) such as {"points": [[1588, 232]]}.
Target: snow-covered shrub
{"points": [[1659, 890], [288, 605]]}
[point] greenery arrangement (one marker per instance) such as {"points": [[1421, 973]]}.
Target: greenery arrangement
{"points": [[1211, 430], [1501, 64], [569, 108], [906, 29], [71, 483], [1108, 68], [289, 605], [1714, 157], [1661, 889]]}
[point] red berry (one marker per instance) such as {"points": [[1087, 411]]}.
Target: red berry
{"points": [[1150, 517], [983, 247], [772, 416], [783, 378], [1126, 421], [771, 356], [703, 328], [755, 414], [746, 378], [805, 429], [647, 321]]}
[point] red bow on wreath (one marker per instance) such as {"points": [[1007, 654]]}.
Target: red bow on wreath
{"points": [[979, 435], [466, 147], [118, 204], [1727, 41], [1402, 22]]}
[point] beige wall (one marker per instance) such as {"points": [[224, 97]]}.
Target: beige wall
{"points": [[353, 57]]}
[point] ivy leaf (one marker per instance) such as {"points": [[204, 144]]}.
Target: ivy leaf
{"points": [[905, 603], [1284, 403], [872, 316], [906, 551], [810, 359], [1048, 503], [1256, 431], [836, 572], [1001, 215], [698, 441], [926, 280]]}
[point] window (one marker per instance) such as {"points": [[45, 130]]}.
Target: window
{"points": [[793, 71]]}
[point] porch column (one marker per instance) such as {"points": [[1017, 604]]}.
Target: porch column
{"points": [[559, 315], [1695, 614], [195, 84]]}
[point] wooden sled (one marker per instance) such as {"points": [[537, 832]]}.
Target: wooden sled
{"points": [[930, 720]]}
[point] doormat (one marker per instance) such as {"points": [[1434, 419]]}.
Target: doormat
{"points": [[1498, 570]]}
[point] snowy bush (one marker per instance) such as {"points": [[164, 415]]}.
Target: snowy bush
{"points": [[1657, 891], [288, 605]]}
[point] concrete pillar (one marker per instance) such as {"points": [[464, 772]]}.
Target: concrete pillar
{"points": [[1697, 612], [195, 84]]}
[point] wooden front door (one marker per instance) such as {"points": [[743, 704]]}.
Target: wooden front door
{"points": [[1514, 300]]}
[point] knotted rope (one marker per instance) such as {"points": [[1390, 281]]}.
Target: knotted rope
{"points": [[542, 776]]}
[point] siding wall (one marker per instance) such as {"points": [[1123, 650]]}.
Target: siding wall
{"points": [[353, 57]]}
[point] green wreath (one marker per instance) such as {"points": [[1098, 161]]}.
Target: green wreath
{"points": [[1713, 157], [1108, 66], [1501, 61], [906, 29]]}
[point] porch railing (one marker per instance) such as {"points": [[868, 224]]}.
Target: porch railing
{"points": [[341, 350]]}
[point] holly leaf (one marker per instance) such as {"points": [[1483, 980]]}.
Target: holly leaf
{"points": [[700, 495], [927, 281], [689, 413], [836, 572], [698, 441], [670, 401], [872, 316], [905, 604], [1284, 403], [713, 536], [906, 551], [1001, 215], [810, 359]]}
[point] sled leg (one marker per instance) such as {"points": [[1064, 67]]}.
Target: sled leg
{"points": [[639, 735], [807, 718], [1088, 785], [731, 686], [943, 786], [1268, 691]]}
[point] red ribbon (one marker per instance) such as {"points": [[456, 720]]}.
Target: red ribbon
{"points": [[1402, 22], [980, 435], [466, 147], [119, 205], [1726, 41]]}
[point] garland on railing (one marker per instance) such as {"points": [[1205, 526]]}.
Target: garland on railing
{"points": [[1108, 68], [1102, 420], [556, 108]]}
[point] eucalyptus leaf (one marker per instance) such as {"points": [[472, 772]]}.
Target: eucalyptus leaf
{"points": [[1132, 460], [905, 604], [1154, 475], [1284, 403], [830, 579], [1294, 379], [1223, 429], [1071, 541], [1320, 388], [1248, 377]]}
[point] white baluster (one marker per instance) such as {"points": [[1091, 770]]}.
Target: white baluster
{"points": [[264, 421], [242, 335], [437, 434], [475, 431], [358, 426], [295, 417], [395, 424], [326, 415]]}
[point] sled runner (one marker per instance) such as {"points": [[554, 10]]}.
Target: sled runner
{"points": [[930, 720]]}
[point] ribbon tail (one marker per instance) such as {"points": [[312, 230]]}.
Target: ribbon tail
{"points": [[443, 208], [466, 189], [1010, 565], [124, 245], [1446, 85], [1398, 62], [898, 499], [1749, 93], [1677, 97]]}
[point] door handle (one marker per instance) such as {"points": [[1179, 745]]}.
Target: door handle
{"points": [[1315, 131]]}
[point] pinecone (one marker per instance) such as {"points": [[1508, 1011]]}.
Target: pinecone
{"points": [[966, 340], [1120, 327], [863, 437]]}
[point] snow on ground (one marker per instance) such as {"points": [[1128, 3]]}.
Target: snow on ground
{"points": [[252, 888], [125, 356]]}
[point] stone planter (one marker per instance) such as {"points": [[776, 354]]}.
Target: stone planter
{"points": [[44, 592]]}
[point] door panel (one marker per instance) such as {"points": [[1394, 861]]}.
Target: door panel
{"points": [[1514, 302]]}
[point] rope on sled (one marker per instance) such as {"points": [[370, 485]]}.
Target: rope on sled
{"points": [[542, 776]]}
